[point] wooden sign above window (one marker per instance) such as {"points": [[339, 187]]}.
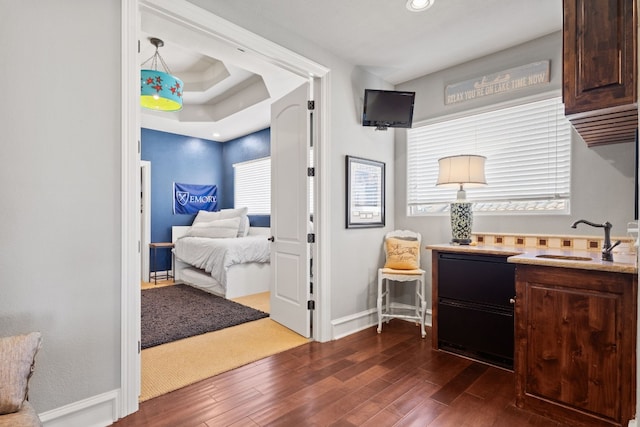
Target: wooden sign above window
{"points": [[536, 73]]}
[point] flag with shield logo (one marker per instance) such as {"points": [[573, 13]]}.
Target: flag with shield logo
{"points": [[191, 198]]}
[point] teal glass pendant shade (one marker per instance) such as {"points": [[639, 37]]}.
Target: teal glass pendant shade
{"points": [[160, 91]]}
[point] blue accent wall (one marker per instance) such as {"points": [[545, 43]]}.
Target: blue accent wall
{"points": [[176, 158], [179, 158]]}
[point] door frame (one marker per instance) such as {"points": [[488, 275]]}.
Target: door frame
{"points": [[197, 19], [145, 220]]}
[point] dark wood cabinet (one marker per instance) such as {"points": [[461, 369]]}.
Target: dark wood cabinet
{"points": [[600, 69], [575, 344], [472, 308]]}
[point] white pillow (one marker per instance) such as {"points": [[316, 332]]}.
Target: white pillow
{"points": [[246, 224], [206, 216], [222, 228]]}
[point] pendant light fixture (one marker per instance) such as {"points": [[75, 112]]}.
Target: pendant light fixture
{"points": [[159, 90]]}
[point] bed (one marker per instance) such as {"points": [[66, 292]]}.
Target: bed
{"points": [[230, 267]]}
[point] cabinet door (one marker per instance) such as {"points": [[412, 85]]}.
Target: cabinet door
{"points": [[576, 344], [573, 355], [599, 54]]}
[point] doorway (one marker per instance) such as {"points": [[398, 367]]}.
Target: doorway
{"points": [[219, 30]]}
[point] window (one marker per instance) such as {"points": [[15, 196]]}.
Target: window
{"points": [[252, 184], [528, 150]]}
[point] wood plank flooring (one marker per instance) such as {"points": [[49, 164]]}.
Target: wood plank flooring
{"points": [[366, 379]]}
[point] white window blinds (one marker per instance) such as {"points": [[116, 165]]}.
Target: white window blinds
{"points": [[528, 150], [252, 186]]}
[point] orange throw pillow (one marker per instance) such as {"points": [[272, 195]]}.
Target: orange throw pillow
{"points": [[402, 254]]}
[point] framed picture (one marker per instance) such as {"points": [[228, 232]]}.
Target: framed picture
{"points": [[365, 193]]}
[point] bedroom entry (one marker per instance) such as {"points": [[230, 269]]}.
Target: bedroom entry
{"points": [[291, 136], [191, 20]]}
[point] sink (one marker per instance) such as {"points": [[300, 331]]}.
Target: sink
{"points": [[565, 257]]}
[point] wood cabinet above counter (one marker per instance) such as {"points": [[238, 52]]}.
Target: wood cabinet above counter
{"points": [[600, 69]]}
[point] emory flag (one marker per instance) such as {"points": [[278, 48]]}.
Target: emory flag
{"points": [[191, 198]]}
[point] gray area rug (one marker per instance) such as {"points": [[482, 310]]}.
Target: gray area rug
{"points": [[174, 312]]}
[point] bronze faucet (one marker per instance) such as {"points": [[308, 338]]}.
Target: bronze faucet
{"points": [[607, 247]]}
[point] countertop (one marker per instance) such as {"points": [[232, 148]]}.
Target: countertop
{"points": [[622, 262]]}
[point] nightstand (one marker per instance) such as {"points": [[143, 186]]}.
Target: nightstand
{"points": [[168, 274]]}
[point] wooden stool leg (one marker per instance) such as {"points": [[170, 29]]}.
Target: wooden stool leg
{"points": [[379, 302]]}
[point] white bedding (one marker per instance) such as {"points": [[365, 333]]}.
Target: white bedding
{"points": [[215, 256]]}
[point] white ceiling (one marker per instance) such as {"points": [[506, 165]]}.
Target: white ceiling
{"points": [[231, 97]]}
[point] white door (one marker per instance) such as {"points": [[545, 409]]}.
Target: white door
{"points": [[290, 271]]}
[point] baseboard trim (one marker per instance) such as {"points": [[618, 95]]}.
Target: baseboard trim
{"points": [[97, 411], [348, 325]]}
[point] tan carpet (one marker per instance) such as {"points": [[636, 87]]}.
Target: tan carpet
{"points": [[174, 365]]}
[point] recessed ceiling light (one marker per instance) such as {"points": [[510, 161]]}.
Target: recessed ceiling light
{"points": [[419, 5], [216, 135]]}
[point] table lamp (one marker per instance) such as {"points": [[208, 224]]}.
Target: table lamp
{"points": [[460, 171]]}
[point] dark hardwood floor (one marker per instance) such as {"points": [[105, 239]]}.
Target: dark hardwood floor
{"points": [[366, 379]]}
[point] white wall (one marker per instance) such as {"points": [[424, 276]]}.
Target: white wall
{"points": [[356, 253], [60, 192], [602, 178]]}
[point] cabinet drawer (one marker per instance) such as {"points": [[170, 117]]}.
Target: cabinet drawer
{"points": [[478, 278], [476, 332]]}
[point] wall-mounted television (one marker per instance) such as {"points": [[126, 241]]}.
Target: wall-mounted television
{"points": [[387, 109]]}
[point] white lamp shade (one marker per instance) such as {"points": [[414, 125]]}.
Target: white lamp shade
{"points": [[466, 169]]}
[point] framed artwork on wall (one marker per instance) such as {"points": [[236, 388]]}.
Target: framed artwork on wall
{"points": [[365, 193]]}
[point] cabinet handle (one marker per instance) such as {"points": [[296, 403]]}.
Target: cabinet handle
{"points": [[512, 300]]}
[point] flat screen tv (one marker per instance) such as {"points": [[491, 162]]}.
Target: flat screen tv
{"points": [[387, 108]]}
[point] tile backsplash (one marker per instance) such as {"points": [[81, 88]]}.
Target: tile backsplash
{"points": [[539, 241]]}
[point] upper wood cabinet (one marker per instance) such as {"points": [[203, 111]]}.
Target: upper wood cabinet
{"points": [[600, 69]]}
